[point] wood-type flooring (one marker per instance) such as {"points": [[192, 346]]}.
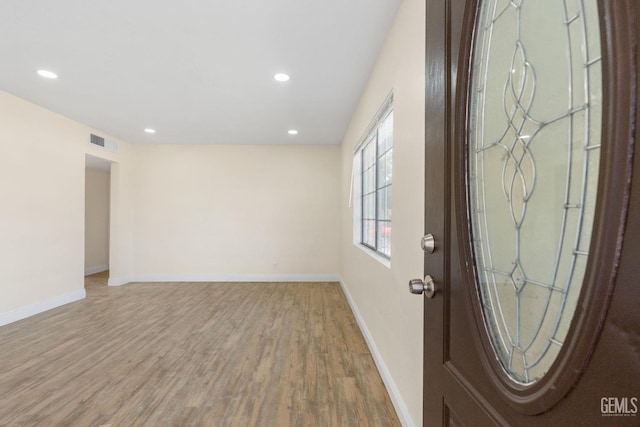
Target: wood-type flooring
{"points": [[192, 354]]}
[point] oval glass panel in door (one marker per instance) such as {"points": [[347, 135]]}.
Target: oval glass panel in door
{"points": [[533, 157]]}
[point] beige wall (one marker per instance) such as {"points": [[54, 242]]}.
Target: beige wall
{"points": [[96, 220], [177, 212], [235, 212], [393, 317], [42, 168]]}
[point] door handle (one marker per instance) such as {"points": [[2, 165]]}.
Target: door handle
{"points": [[426, 286]]}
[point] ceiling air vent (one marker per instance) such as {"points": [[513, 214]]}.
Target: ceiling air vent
{"points": [[97, 140], [101, 142]]}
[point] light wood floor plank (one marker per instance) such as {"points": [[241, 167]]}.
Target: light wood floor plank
{"points": [[192, 354]]}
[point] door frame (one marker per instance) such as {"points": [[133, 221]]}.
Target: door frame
{"points": [[102, 162]]}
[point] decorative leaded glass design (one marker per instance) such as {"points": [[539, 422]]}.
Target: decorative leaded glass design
{"points": [[533, 158]]}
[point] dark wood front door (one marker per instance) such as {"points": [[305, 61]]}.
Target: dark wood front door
{"points": [[592, 374]]}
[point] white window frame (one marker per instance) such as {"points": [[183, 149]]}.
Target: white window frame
{"points": [[371, 135]]}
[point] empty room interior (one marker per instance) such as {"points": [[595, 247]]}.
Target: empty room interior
{"points": [[174, 214], [210, 212]]}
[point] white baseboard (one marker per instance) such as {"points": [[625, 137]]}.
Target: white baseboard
{"points": [[227, 278], [97, 269], [119, 281], [392, 389], [39, 307]]}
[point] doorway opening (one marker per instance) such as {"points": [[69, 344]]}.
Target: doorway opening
{"points": [[97, 221]]}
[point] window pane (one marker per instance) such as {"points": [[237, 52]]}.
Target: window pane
{"points": [[368, 181], [389, 167], [381, 167], [384, 204], [369, 154], [384, 169], [369, 233], [384, 237], [368, 207], [385, 134]]}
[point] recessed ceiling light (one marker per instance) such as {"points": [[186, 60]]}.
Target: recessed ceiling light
{"points": [[149, 130], [293, 132], [47, 74], [282, 77]]}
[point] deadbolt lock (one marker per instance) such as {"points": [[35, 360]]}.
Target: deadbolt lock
{"points": [[428, 243]]}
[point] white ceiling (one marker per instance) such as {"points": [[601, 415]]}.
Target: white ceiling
{"points": [[197, 71]]}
